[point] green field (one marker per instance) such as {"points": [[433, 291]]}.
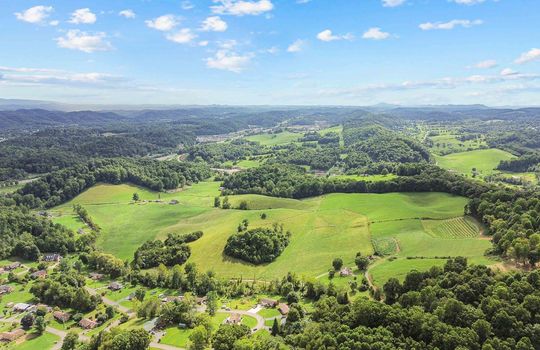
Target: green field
{"points": [[448, 143], [325, 227], [484, 160], [275, 139], [460, 227], [43, 342]]}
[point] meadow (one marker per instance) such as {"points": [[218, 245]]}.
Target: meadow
{"points": [[323, 228], [281, 138], [484, 160]]}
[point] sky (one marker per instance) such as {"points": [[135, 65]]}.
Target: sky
{"points": [[271, 52]]}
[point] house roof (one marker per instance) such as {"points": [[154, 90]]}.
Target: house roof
{"points": [[283, 308], [87, 323]]}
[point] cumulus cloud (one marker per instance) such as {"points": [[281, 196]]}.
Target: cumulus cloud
{"points": [[183, 36], [375, 33], [465, 23], [242, 7], [508, 72], [297, 46], [163, 23], [529, 56], [214, 24], [229, 60], [127, 13], [36, 14], [392, 3], [83, 16], [83, 41], [327, 35], [486, 64], [467, 2]]}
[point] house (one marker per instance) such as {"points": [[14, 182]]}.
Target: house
{"points": [[115, 286], [51, 258], [171, 299], [87, 323], [61, 316], [39, 274], [174, 202], [96, 276], [11, 336], [283, 309], [345, 272], [21, 307], [5, 289], [234, 319], [268, 302]]}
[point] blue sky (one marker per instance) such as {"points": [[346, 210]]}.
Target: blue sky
{"points": [[282, 52]]}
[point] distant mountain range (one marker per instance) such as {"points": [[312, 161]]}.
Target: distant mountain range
{"points": [[29, 114]]}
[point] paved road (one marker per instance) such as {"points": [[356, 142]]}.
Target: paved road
{"points": [[259, 318]]}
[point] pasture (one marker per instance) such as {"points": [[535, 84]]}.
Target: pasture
{"points": [[281, 138], [323, 228], [484, 160]]}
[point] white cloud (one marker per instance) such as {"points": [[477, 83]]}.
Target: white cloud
{"points": [[203, 43], [508, 72], [297, 46], [227, 44], [327, 35], [163, 23], [82, 41], [54, 23], [242, 7], [228, 60], [393, 3], [468, 2], [486, 64], [187, 5], [529, 56], [375, 33], [465, 23], [183, 36], [127, 13], [83, 16], [273, 50], [302, 1], [214, 24], [36, 14]]}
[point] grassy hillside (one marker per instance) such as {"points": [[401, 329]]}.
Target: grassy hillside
{"points": [[484, 160], [325, 227]]}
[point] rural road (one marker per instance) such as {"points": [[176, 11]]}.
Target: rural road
{"points": [[110, 302]]}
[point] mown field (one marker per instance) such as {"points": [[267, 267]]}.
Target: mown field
{"points": [[484, 160], [325, 227], [281, 138]]}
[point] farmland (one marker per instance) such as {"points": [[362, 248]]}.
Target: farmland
{"points": [[484, 161], [325, 227]]}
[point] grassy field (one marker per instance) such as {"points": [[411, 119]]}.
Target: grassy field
{"points": [[323, 228], [275, 139], [484, 160], [43, 342], [447, 142]]}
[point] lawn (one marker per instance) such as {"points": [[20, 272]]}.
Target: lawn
{"points": [[43, 342], [484, 160], [275, 139], [323, 228]]}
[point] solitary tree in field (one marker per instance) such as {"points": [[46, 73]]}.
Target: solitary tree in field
{"points": [[217, 202], [361, 262], [136, 197], [337, 264]]}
